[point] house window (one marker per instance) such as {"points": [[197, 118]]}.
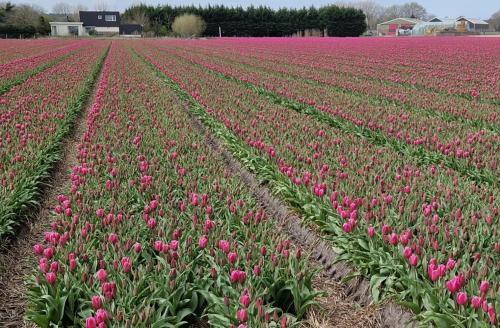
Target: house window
{"points": [[110, 18], [99, 16]]}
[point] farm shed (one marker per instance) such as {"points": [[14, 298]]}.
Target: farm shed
{"points": [[67, 29], [397, 26], [472, 24], [131, 30]]}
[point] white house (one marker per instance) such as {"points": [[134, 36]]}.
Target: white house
{"points": [[67, 29]]}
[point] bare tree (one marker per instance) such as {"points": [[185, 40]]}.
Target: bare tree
{"points": [[373, 11], [410, 9], [137, 15], [188, 25], [495, 21], [101, 5], [75, 15], [24, 15], [62, 8]]}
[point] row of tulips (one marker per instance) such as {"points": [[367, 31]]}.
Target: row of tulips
{"points": [[153, 231], [460, 143], [405, 147], [412, 228], [18, 71], [35, 118], [12, 50], [448, 107], [410, 62]]}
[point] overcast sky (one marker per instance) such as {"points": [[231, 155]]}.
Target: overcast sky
{"points": [[442, 8]]}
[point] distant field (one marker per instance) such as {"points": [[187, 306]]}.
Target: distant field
{"points": [[386, 148]]}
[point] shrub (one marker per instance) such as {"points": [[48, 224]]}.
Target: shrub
{"points": [[188, 25]]}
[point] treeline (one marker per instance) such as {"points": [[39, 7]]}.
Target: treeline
{"points": [[22, 21], [252, 21]]}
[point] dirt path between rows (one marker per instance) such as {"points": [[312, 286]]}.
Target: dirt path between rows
{"points": [[16, 255], [345, 305]]}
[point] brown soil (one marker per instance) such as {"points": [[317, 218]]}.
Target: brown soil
{"points": [[16, 255]]}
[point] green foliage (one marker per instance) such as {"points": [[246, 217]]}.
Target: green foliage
{"points": [[342, 21], [252, 21]]}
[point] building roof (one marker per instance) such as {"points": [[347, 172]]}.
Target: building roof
{"points": [[444, 20], [130, 29], [91, 18], [475, 21], [66, 23], [409, 20], [425, 27]]}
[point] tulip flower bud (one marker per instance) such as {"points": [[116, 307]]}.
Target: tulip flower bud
{"points": [[232, 257], [476, 302], [90, 323], [102, 275], [51, 277], [242, 315], [483, 288], [96, 302], [245, 300], [38, 249], [462, 298], [413, 260]]}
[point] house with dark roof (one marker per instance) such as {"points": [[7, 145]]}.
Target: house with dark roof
{"points": [[101, 22]]}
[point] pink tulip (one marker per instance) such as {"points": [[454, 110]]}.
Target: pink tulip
{"points": [[54, 266], [483, 288], [245, 300], [151, 223], [101, 315], [113, 238], [90, 323], [158, 246], [435, 275], [224, 246], [137, 247], [194, 199], [371, 231], [203, 242], [394, 239], [102, 275], [462, 298], [492, 314], [242, 315], [450, 265], [51, 277], [232, 257], [96, 302], [452, 285], [126, 264], [476, 302], [407, 252], [174, 245], [38, 249], [72, 264], [413, 260]]}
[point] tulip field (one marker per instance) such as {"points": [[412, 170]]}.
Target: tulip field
{"points": [[388, 149]]}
